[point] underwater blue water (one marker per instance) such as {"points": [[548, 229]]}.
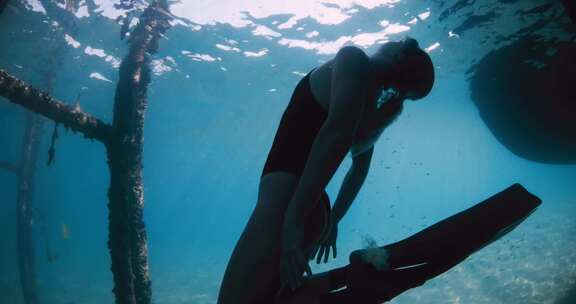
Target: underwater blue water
{"points": [[212, 114]]}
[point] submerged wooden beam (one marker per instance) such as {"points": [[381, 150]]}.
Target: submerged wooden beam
{"points": [[35, 100]]}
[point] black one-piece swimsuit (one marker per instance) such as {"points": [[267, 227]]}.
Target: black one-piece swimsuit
{"points": [[298, 128]]}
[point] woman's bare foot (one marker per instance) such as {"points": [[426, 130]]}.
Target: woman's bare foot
{"points": [[376, 256]]}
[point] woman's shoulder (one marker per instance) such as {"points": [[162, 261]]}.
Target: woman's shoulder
{"points": [[353, 54], [320, 86]]}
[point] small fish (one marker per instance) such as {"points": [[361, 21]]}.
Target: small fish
{"points": [[50, 255], [65, 231]]}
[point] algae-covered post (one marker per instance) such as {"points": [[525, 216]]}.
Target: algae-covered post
{"points": [[24, 207], [124, 142], [126, 193], [25, 203], [25, 172]]}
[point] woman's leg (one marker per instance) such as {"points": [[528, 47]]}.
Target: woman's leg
{"points": [[252, 270]]}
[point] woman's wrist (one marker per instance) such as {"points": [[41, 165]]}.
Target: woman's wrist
{"points": [[334, 218], [292, 235]]}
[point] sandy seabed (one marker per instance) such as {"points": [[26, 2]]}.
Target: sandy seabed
{"points": [[534, 264]]}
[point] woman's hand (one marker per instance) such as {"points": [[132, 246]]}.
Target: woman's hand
{"points": [[327, 242], [293, 262]]}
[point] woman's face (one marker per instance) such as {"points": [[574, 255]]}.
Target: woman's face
{"points": [[392, 56]]}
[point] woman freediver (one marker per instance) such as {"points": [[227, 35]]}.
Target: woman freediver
{"points": [[335, 109]]}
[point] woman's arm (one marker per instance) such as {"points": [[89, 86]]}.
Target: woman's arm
{"points": [[351, 185], [348, 84], [336, 136], [348, 191]]}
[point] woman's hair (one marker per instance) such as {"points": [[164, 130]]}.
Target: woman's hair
{"points": [[388, 112], [415, 70]]}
